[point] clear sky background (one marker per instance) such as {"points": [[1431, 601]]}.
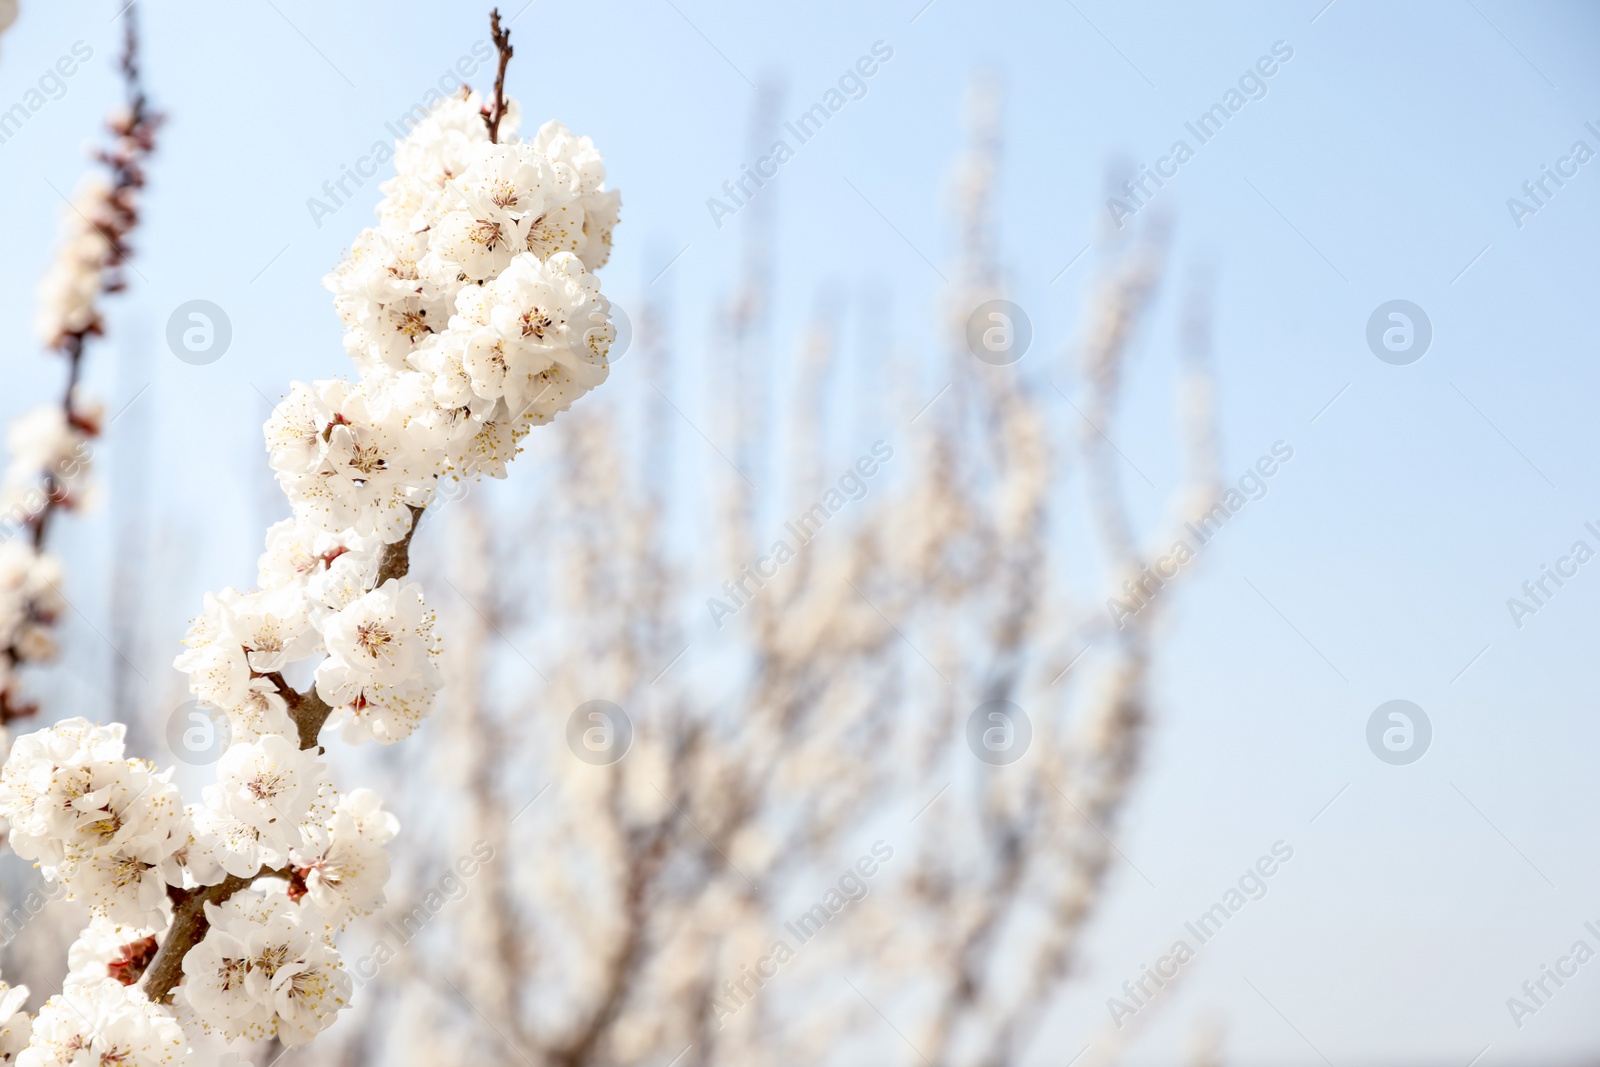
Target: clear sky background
{"points": [[1420, 497]]}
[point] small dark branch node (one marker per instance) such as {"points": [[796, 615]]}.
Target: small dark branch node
{"points": [[132, 961]]}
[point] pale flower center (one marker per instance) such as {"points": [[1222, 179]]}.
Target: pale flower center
{"points": [[373, 638], [265, 785], [535, 322], [230, 973], [413, 324], [367, 460], [272, 958], [486, 233]]}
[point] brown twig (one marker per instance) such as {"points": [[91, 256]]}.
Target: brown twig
{"points": [[497, 109], [396, 560], [189, 925]]}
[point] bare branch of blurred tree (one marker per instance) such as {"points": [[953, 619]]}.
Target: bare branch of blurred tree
{"points": [[797, 847]]}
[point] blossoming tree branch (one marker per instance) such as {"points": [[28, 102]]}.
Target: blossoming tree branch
{"points": [[50, 445], [473, 314]]}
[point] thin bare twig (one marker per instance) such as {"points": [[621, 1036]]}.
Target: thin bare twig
{"points": [[189, 925], [497, 108]]}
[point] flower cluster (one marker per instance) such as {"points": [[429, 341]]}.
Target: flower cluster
{"points": [[15, 1025], [103, 1022], [472, 316], [99, 823], [73, 282], [50, 452], [266, 966], [471, 311], [49, 465], [96, 223], [114, 832], [29, 605]]}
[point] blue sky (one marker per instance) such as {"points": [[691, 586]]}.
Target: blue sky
{"points": [[1377, 166]]}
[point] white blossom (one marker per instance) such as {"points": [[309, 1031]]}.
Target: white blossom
{"points": [[43, 442], [30, 601], [273, 628], [265, 966], [509, 200], [383, 714], [74, 280], [100, 1024], [535, 316], [195, 862], [436, 150], [263, 710], [580, 164], [15, 1024], [101, 824], [381, 650], [222, 841], [238, 636], [269, 784], [388, 310], [345, 460], [342, 864], [218, 669]]}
